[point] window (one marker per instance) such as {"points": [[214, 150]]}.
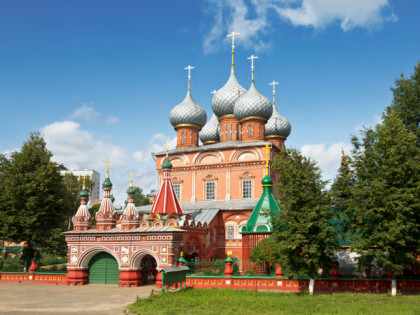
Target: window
{"points": [[230, 232], [182, 136], [250, 131], [210, 190], [177, 189], [228, 135], [246, 189], [237, 132]]}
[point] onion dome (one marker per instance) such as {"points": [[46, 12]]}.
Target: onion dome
{"points": [[84, 194], [129, 219], [210, 132], [131, 191], [267, 181], [188, 113], [166, 164], [277, 125], [253, 104], [107, 183], [224, 99]]}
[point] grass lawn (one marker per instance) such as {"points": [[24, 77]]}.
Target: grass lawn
{"points": [[225, 301]]}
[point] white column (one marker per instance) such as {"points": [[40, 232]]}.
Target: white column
{"points": [[227, 197], [193, 186]]}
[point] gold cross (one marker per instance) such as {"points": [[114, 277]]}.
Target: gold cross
{"points": [[84, 180], [167, 147], [131, 181], [267, 156], [107, 167]]}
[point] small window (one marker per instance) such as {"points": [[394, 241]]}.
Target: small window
{"points": [[228, 135], [230, 232], [250, 131], [177, 189], [210, 190], [182, 138], [246, 189], [237, 132]]}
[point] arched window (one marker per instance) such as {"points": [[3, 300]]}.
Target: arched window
{"points": [[228, 135]]}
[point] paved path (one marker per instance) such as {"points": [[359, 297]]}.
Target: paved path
{"points": [[34, 298]]}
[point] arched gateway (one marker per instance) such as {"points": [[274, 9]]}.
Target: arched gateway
{"points": [[103, 269]]}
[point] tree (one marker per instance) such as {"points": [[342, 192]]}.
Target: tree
{"points": [[386, 203], [139, 198], [74, 185], [266, 253], [406, 101], [32, 201], [306, 239]]}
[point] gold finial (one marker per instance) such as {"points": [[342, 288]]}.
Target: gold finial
{"points": [[84, 181], [267, 157], [274, 90], [181, 254], [167, 147], [213, 92], [107, 167], [233, 34], [189, 76], [252, 65], [131, 179]]}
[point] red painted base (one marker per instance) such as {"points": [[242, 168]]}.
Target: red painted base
{"points": [[130, 278], [78, 277]]}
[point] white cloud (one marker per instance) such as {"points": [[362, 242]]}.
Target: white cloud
{"points": [[349, 13], [251, 18], [328, 158], [112, 120], [77, 148], [85, 112]]}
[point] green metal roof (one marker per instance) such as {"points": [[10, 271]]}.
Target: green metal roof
{"points": [[260, 219]]}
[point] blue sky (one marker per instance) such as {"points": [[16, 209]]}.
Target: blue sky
{"points": [[99, 78]]}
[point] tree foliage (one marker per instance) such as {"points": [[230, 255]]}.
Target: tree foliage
{"points": [[305, 238], [32, 199], [385, 198], [406, 102], [139, 198]]}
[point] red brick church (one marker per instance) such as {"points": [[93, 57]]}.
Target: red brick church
{"points": [[210, 196]]}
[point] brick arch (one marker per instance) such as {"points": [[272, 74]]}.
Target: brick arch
{"points": [[247, 154], [212, 157], [85, 258], [136, 258], [178, 160]]}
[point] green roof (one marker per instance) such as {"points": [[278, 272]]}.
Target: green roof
{"points": [[260, 219], [107, 183], [166, 164]]}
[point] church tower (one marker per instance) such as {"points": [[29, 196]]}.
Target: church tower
{"points": [[82, 220], [187, 118]]}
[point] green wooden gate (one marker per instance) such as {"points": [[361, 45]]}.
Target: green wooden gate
{"points": [[103, 269]]}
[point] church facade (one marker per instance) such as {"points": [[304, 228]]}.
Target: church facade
{"points": [[210, 196]]}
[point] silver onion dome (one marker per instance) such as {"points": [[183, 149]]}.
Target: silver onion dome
{"points": [[210, 132], [224, 99], [253, 104], [188, 112], [277, 125]]}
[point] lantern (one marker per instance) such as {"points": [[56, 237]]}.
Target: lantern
{"points": [[4, 253], [21, 253]]}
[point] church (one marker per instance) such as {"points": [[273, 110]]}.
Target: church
{"points": [[210, 196]]}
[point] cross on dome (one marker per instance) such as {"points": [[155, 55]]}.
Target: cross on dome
{"points": [[131, 179], [84, 181], [233, 34], [189, 68], [167, 147], [267, 157], [252, 65], [274, 83], [107, 167]]}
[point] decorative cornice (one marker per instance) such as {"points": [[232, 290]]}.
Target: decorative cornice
{"points": [[227, 116], [198, 128], [253, 118], [210, 142], [276, 137]]}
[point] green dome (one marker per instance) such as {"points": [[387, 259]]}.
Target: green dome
{"points": [[267, 181], [131, 190], [166, 164], [112, 198], [83, 194], [107, 183]]}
